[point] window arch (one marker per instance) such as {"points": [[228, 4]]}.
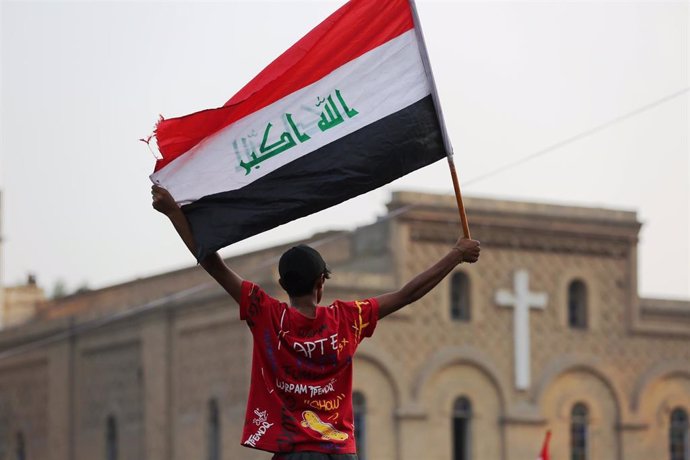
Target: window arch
{"points": [[460, 297], [21, 447], [579, 432], [577, 305], [214, 436], [111, 438], [679, 435], [359, 410], [461, 425]]}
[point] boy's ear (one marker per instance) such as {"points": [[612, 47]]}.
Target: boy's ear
{"points": [[280, 281], [321, 280]]}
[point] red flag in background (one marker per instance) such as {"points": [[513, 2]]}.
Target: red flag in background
{"points": [[544, 455]]}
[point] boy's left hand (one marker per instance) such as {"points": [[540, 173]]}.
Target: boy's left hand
{"points": [[163, 202]]}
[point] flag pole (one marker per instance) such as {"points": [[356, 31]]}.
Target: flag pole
{"points": [[437, 103]]}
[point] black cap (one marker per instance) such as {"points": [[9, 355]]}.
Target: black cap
{"points": [[299, 268]]}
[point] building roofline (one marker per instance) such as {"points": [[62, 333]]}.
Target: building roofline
{"points": [[497, 205]]}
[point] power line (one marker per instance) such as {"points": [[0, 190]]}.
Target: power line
{"points": [[107, 319], [577, 137]]}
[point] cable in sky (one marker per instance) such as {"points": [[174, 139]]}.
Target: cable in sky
{"points": [[100, 322], [579, 136]]}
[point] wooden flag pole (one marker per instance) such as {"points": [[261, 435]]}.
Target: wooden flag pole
{"points": [[458, 198], [446, 140]]}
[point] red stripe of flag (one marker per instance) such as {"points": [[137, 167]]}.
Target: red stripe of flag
{"points": [[356, 28]]}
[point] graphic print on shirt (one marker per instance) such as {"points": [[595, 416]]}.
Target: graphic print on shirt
{"points": [[288, 432], [260, 421], [304, 389], [342, 344], [261, 417], [359, 323], [301, 373], [254, 308], [308, 347], [325, 405], [326, 430]]}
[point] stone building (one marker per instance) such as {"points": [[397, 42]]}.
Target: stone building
{"points": [[546, 332], [2, 280], [20, 303]]}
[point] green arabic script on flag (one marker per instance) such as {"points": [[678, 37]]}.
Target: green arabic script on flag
{"points": [[329, 117]]}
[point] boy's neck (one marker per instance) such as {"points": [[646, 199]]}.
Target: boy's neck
{"points": [[305, 305]]}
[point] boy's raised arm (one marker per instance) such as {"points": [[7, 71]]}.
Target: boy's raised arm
{"points": [[465, 250], [164, 203]]}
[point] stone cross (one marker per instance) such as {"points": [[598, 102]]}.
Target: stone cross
{"points": [[522, 300]]}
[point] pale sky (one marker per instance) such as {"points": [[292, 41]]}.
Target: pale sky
{"points": [[83, 81]]}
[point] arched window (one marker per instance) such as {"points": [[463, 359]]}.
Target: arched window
{"points": [[460, 297], [462, 417], [21, 446], [111, 438], [359, 410], [213, 430], [577, 305], [579, 421], [679, 435]]}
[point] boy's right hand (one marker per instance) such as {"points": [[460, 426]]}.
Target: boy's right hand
{"points": [[469, 249], [163, 202]]}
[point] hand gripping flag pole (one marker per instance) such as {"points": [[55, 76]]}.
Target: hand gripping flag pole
{"points": [[437, 103]]}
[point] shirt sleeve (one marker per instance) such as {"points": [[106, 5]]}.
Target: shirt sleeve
{"points": [[254, 303], [364, 315]]}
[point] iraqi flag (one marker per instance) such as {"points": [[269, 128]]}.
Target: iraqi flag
{"points": [[345, 110]]}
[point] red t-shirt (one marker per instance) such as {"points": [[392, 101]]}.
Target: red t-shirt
{"points": [[300, 398]]}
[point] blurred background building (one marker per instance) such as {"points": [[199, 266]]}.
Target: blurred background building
{"points": [[546, 332], [18, 304]]}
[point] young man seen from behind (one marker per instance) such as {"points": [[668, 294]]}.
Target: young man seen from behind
{"points": [[300, 397]]}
